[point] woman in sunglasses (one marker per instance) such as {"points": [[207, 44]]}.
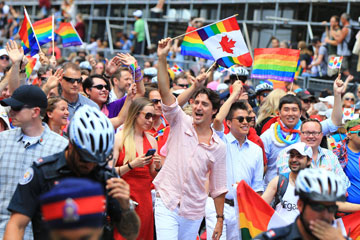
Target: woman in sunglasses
{"points": [[134, 162], [57, 114], [348, 100]]}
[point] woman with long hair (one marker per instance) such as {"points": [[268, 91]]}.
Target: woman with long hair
{"points": [[268, 109], [57, 114], [131, 145]]}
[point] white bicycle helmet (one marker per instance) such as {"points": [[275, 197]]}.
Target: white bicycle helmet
{"points": [[263, 87], [240, 71], [319, 185], [92, 133]]}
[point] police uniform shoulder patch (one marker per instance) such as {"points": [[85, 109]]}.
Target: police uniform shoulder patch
{"points": [[28, 176]]}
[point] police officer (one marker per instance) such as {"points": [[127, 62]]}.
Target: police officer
{"points": [[318, 191], [91, 138]]}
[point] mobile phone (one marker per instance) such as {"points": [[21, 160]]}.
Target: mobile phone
{"points": [[150, 152]]}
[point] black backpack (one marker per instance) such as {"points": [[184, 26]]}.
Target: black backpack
{"points": [[352, 40], [281, 189]]}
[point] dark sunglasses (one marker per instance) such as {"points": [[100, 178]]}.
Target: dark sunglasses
{"points": [[4, 57], [155, 101], [241, 119], [72, 80], [43, 79], [148, 115], [350, 99], [318, 207], [264, 94], [100, 87], [183, 85]]}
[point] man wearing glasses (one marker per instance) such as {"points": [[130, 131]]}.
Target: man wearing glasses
{"points": [[318, 202], [306, 99], [311, 133], [21, 146], [70, 83]]}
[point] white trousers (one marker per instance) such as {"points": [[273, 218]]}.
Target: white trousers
{"points": [[171, 226], [230, 226]]}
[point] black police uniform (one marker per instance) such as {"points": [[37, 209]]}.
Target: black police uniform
{"points": [[46, 173]]}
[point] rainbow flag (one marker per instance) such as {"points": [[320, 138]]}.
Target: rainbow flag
{"points": [[192, 45], [176, 69], [29, 66], [43, 30], [225, 42], [68, 35], [299, 71], [351, 225], [335, 62], [275, 63], [255, 215], [27, 36]]}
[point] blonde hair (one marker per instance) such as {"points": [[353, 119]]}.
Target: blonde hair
{"points": [[303, 48], [348, 95], [128, 132], [270, 105]]}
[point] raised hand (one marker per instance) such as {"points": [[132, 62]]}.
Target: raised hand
{"points": [[53, 80], [127, 59], [53, 61], [112, 65], [92, 61], [199, 81], [15, 52], [339, 86], [237, 88], [164, 47], [132, 91]]}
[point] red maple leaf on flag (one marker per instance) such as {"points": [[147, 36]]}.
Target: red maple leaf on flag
{"points": [[227, 44]]}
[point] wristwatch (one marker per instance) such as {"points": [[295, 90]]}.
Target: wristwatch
{"points": [[220, 216]]}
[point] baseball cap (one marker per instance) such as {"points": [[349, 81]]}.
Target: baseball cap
{"points": [[151, 71], [137, 13], [3, 52], [74, 203], [304, 95], [328, 99], [29, 95], [302, 148], [85, 65]]}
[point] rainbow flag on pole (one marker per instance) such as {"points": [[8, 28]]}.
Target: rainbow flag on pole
{"points": [[255, 215], [192, 45], [43, 30], [69, 35], [275, 63], [27, 36], [225, 42], [29, 66], [335, 62]]}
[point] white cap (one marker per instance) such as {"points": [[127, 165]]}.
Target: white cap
{"points": [[321, 108], [328, 99], [302, 148], [137, 13], [3, 52]]}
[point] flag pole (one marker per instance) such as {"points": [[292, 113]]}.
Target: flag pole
{"points": [[32, 29], [207, 71], [52, 36], [202, 27]]}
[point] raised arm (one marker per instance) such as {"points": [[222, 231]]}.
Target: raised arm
{"points": [[53, 81], [163, 78], [339, 88], [196, 84], [224, 110], [16, 55]]}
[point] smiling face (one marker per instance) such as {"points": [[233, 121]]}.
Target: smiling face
{"points": [[60, 113], [99, 96], [202, 110], [239, 129], [311, 134], [290, 114], [297, 161]]}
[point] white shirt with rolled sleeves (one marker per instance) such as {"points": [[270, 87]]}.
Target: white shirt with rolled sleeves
{"points": [[272, 150], [183, 176]]}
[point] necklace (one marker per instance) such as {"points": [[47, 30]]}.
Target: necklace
{"points": [[281, 138]]}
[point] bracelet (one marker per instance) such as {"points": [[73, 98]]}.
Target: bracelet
{"points": [[157, 170], [220, 216], [130, 166]]}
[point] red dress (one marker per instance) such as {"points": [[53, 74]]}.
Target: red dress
{"points": [[140, 180]]}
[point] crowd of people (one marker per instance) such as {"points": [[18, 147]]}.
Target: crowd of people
{"points": [[93, 147]]}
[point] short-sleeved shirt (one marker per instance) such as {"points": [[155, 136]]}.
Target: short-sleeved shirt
{"points": [[352, 170], [243, 162], [140, 30], [115, 107], [15, 159], [188, 161], [80, 102], [45, 173]]}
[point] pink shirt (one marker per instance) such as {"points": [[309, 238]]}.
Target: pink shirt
{"points": [[183, 176]]}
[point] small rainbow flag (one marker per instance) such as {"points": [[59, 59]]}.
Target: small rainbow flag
{"points": [[29, 66], [27, 36], [299, 71], [335, 62], [255, 215], [176, 69], [225, 42], [68, 35], [43, 30], [192, 45], [275, 63]]}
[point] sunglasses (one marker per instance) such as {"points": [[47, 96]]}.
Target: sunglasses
{"points": [[72, 80], [183, 85], [306, 100], [350, 99], [318, 207], [4, 57], [155, 101], [43, 79], [264, 94], [358, 132], [148, 115], [241, 119], [100, 87]]}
